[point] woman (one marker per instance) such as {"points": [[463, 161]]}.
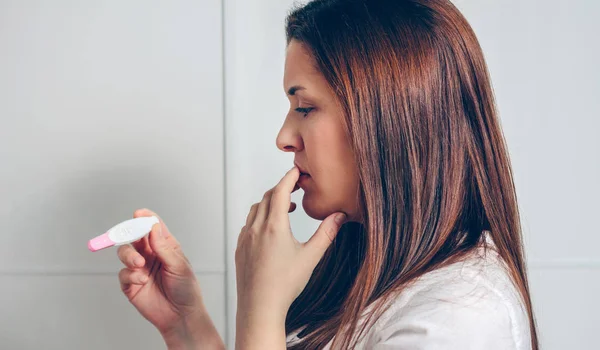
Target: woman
{"points": [[399, 151]]}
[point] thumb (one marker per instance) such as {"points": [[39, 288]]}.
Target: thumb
{"points": [[167, 248], [322, 239]]}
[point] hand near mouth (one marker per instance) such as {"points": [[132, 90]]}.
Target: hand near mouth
{"points": [[272, 267]]}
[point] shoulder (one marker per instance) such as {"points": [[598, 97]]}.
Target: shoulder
{"points": [[466, 305]]}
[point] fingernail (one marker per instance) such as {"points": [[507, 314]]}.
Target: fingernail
{"points": [[138, 261], [160, 233], [144, 279], [340, 218]]}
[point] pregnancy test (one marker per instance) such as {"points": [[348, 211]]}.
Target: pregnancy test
{"points": [[126, 232]]}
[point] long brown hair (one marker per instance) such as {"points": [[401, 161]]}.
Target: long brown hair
{"points": [[434, 169]]}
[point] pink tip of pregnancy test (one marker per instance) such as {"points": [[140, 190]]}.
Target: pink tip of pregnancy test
{"points": [[100, 242]]}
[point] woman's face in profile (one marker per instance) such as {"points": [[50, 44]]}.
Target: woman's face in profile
{"points": [[313, 130]]}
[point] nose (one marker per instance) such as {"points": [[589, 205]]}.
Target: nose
{"points": [[289, 138]]}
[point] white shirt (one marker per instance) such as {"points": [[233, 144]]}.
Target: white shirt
{"points": [[470, 304]]}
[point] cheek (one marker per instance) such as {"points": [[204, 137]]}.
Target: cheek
{"points": [[335, 179], [332, 192]]}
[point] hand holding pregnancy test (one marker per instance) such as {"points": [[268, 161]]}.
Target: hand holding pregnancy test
{"points": [[126, 232]]}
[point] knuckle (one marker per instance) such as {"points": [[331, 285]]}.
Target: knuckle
{"points": [[253, 234], [271, 227], [178, 251], [330, 233], [123, 275], [131, 260]]}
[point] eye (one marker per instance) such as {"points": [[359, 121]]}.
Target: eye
{"points": [[305, 111]]}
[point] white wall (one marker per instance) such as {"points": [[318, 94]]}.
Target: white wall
{"points": [[105, 107], [110, 106]]}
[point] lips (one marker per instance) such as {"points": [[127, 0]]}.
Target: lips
{"points": [[302, 171]]}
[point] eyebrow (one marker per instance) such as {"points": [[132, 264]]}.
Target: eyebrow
{"points": [[293, 89]]}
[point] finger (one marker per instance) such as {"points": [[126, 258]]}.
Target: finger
{"points": [[130, 257], [147, 212], [163, 243], [263, 209], [128, 277], [282, 195], [292, 207], [251, 214], [167, 250], [323, 237], [142, 246]]}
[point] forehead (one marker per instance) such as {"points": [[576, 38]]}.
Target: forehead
{"points": [[299, 65]]}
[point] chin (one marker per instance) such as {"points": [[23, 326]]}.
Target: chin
{"points": [[319, 210], [315, 210]]}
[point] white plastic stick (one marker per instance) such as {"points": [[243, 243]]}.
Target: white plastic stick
{"points": [[123, 233]]}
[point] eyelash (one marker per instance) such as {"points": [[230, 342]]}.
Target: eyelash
{"points": [[304, 110]]}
